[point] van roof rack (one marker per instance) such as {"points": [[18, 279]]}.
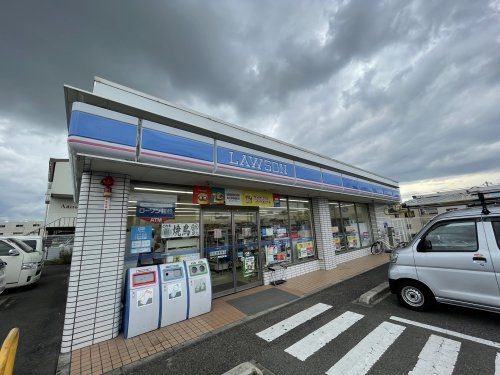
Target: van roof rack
{"points": [[486, 196]]}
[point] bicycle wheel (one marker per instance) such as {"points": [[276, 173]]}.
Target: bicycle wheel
{"points": [[377, 247]]}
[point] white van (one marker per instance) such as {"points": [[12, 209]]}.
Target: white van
{"points": [[24, 265], [454, 259], [35, 242]]}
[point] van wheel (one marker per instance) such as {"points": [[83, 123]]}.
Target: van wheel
{"points": [[415, 296]]}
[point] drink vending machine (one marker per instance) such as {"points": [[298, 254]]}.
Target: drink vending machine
{"points": [[200, 287], [173, 289], [142, 301]]}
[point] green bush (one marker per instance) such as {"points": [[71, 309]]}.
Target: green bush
{"points": [[65, 256]]}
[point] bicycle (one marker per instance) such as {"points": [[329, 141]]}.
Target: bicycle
{"points": [[381, 245]]}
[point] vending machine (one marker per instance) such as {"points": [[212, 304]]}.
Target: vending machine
{"points": [[142, 301], [199, 287], [173, 292]]}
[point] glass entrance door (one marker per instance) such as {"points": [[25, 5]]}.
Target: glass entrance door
{"points": [[231, 245], [246, 238]]}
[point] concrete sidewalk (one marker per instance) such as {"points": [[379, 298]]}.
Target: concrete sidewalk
{"points": [[113, 354]]}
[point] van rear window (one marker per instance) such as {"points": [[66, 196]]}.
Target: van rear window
{"points": [[496, 229]]}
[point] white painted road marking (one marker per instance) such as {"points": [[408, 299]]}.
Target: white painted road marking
{"points": [[448, 332], [497, 365], [310, 344], [292, 322], [366, 353], [438, 357]]}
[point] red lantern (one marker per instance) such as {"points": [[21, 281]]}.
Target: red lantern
{"points": [[107, 182]]}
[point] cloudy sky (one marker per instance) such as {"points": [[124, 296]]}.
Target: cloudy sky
{"points": [[407, 89]]}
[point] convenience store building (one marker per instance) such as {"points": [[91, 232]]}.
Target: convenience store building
{"points": [[156, 183]]}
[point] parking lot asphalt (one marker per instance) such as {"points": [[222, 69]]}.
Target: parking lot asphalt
{"points": [[38, 311], [356, 345]]}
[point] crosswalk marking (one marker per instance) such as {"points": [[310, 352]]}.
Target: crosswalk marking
{"points": [[497, 364], [438, 357], [360, 359], [292, 322], [310, 344], [448, 332]]}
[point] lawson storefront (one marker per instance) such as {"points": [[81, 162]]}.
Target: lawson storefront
{"points": [[157, 183]]}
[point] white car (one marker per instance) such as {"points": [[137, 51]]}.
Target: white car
{"points": [[2, 276], [24, 265], [35, 242]]}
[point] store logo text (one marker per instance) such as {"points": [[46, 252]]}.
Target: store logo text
{"points": [[261, 164]]}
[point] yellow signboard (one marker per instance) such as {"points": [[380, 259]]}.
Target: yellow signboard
{"points": [[257, 199]]}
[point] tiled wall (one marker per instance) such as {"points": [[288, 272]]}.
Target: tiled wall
{"points": [[293, 271], [95, 282], [351, 255], [323, 231]]}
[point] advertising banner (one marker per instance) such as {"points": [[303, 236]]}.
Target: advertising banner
{"points": [[217, 195], [305, 249], [180, 230], [251, 198], [201, 194], [140, 239]]}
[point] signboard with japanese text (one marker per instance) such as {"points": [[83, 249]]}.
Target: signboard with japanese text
{"points": [[155, 211], [180, 230], [140, 239], [251, 198]]}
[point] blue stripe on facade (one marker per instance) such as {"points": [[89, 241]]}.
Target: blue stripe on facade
{"points": [[332, 179], [350, 183], [378, 189], [365, 186], [87, 125], [155, 140], [308, 174], [254, 162]]}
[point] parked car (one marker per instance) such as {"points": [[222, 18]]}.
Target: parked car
{"points": [[454, 259], [35, 242], [3, 280], [24, 265]]}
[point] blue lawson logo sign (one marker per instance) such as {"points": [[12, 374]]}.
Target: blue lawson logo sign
{"points": [[155, 210], [253, 162]]}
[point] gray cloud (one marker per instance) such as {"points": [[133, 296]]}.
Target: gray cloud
{"points": [[408, 89]]}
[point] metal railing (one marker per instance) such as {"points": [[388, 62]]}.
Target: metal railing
{"points": [[62, 222], [8, 352]]}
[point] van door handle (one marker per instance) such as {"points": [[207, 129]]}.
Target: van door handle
{"points": [[479, 258]]}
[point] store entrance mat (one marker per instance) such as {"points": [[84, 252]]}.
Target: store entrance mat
{"points": [[261, 301]]}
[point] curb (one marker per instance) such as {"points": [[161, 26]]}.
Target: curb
{"points": [[374, 294]]}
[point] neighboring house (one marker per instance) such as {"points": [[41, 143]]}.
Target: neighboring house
{"points": [[60, 214], [20, 227]]}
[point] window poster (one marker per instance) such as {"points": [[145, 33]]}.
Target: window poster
{"points": [[249, 266], [305, 249], [140, 239]]}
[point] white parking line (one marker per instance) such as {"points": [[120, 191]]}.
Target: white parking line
{"points": [[360, 359], [438, 357], [497, 364], [448, 332], [292, 322], [310, 344]]}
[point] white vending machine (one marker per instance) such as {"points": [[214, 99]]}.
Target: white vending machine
{"points": [[173, 292], [199, 287], [142, 301]]}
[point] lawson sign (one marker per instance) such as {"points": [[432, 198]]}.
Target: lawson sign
{"points": [[230, 159]]}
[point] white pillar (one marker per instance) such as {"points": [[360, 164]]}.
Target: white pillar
{"points": [[323, 231], [95, 281]]}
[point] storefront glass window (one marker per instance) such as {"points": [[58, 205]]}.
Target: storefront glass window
{"points": [[337, 229], [364, 224], [301, 229], [350, 225], [351, 228], [275, 236], [150, 241]]}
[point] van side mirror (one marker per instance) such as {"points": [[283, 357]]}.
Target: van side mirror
{"points": [[13, 252], [424, 245]]}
